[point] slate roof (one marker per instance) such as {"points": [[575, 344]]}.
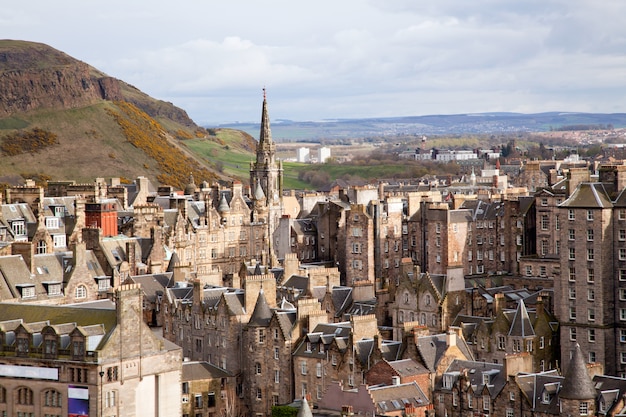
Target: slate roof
{"points": [[589, 195], [521, 325], [533, 387], [393, 398], [480, 372], [433, 347], [577, 384], [262, 314], [407, 367], [200, 370], [96, 322], [153, 285]]}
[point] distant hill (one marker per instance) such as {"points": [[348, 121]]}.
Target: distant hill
{"points": [[455, 124], [60, 118]]}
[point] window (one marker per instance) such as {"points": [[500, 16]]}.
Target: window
{"points": [[257, 368], [589, 215], [25, 396], [198, 401], [592, 357], [210, 399], [572, 293], [590, 254], [590, 235], [572, 254], [78, 348], [622, 294], [486, 402], [261, 335], [112, 373], [259, 394], [572, 313], [622, 314], [591, 294], [622, 357], [622, 336], [622, 274], [81, 292], [318, 370], [52, 398], [110, 399], [591, 275], [541, 342], [572, 274], [622, 254], [529, 345], [571, 215], [276, 376], [41, 246], [572, 333], [571, 234], [591, 335], [622, 234], [509, 412], [28, 292], [516, 345], [529, 270], [303, 368], [276, 353], [501, 343]]}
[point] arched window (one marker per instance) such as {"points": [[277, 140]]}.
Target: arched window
{"points": [[24, 396], [110, 399], [52, 398], [81, 291]]}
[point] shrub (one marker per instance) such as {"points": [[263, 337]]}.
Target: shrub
{"points": [[27, 141]]}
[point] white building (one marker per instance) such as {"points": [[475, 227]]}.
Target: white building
{"points": [[303, 155], [323, 154]]}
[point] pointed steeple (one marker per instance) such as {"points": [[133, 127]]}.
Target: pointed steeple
{"points": [[223, 207], [262, 313], [265, 136], [521, 325], [305, 410], [259, 195], [190, 188], [577, 384]]}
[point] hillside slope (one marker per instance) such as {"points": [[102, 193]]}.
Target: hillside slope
{"points": [[102, 126]]}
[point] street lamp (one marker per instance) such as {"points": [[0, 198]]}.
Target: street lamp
{"points": [[101, 373]]}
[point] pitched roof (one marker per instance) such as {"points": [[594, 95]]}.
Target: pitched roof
{"points": [[588, 195], [521, 324], [305, 410], [577, 384], [262, 314], [193, 371]]}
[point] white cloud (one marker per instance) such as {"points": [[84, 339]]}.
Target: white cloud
{"points": [[346, 59]]}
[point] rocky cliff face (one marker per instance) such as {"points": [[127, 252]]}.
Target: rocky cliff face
{"points": [[62, 87], [35, 76]]}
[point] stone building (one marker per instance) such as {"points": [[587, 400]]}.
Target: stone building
{"points": [[513, 331], [86, 360]]}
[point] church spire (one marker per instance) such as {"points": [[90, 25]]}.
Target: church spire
{"points": [[265, 136]]}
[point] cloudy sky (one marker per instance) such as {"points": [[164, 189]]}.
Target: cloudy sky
{"points": [[345, 58]]}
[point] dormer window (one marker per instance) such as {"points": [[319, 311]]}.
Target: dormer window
{"points": [[28, 291], [19, 228], [22, 345], [52, 222], [78, 349]]}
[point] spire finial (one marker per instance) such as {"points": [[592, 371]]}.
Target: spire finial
{"points": [[264, 93]]}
